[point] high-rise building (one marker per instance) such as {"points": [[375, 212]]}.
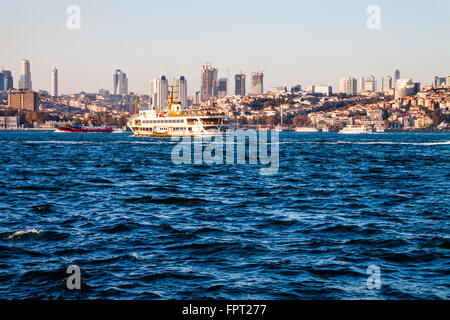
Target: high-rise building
{"points": [[120, 82], [54, 83], [25, 76], [396, 76], [153, 94], [197, 97], [239, 85], [7, 80], [222, 87], [2, 82], [362, 81], [163, 93], [208, 87], [257, 83], [371, 84], [349, 86], [182, 91], [404, 88], [387, 83], [323, 89]]}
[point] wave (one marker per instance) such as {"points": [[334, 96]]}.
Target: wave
{"points": [[375, 143], [34, 234], [20, 234]]}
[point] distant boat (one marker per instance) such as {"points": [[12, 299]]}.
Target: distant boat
{"points": [[353, 129], [84, 129], [306, 129], [280, 128]]}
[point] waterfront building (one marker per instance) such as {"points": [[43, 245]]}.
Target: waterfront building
{"points": [[9, 123], [25, 76], [448, 81], [208, 88], [386, 83], [257, 83], [120, 83], [23, 100], [54, 83], [239, 84], [222, 89], [348, 86]]}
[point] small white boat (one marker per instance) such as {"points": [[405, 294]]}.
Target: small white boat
{"points": [[354, 129], [306, 129]]}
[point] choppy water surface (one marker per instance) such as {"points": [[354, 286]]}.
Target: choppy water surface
{"points": [[141, 227]]}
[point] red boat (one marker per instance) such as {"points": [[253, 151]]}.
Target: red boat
{"points": [[83, 128]]}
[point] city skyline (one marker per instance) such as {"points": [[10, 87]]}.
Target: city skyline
{"points": [[307, 51]]}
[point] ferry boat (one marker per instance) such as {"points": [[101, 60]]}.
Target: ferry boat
{"points": [[84, 129], [354, 129], [174, 121], [306, 129]]}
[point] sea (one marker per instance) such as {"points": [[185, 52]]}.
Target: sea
{"points": [[344, 217]]}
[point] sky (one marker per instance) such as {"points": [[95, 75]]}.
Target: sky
{"points": [[292, 41]]}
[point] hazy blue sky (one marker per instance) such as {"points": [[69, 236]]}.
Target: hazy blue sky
{"points": [[293, 41]]}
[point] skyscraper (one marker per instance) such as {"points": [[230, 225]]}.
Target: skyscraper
{"points": [[208, 87], [362, 81], [25, 76], [54, 83], [371, 84], [120, 82], [396, 76], [7, 80], [349, 86], [182, 91], [257, 83], [153, 94], [387, 83], [239, 84], [163, 92], [222, 89], [2, 82]]}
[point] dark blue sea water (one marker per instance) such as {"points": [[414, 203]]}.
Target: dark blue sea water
{"points": [[140, 227]]}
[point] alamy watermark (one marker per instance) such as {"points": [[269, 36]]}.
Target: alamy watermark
{"points": [[374, 280], [241, 147], [74, 280], [374, 19], [74, 19]]}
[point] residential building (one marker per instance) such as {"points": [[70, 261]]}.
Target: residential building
{"points": [[387, 83], [348, 86], [371, 84]]}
